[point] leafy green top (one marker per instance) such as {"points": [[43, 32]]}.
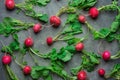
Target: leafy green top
{"points": [[27, 8], [115, 72], [10, 26], [89, 60]]}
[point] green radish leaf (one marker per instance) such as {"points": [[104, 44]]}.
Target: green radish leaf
{"points": [[68, 37], [116, 24], [10, 26], [55, 68], [38, 2], [53, 54], [103, 33], [74, 41], [73, 28], [6, 49], [65, 56], [89, 61], [70, 48], [13, 46], [42, 2], [71, 18], [82, 4], [113, 36], [75, 70], [71, 9], [43, 17], [115, 72], [39, 71], [27, 8], [49, 77], [110, 7]]}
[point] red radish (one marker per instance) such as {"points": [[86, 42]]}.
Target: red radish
{"points": [[49, 40], [37, 28], [94, 12], [10, 4], [82, 18], [55, 21], [101, 72], [82, 75], [6, 59], [79, 46], [27, 70], [28, 42], [106, 55]]}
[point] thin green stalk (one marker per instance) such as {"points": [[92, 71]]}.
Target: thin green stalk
{"points": [[66, 9], [37, 54], [22, 66], [61, 11], [101, 8], [116, 56], [36, 62], [59, 33], [90, 27], [61, 75], [11, 74]]}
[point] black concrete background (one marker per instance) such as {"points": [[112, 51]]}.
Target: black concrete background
{"points": [[104, 20]]}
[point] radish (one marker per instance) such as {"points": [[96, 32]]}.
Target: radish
{"points": [[28, 42], [49, 40], [6, 59], [94, 12], [82, 75], [37, 28], [106, 55], [82, 18], [101, 72], [79, 46], [55, 21], [27, 70], [10, 4]]}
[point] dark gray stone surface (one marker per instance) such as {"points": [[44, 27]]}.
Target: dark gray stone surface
{"points": [[104, 20]]}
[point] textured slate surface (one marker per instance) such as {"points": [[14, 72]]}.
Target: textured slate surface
{"points": [[104, 20]]}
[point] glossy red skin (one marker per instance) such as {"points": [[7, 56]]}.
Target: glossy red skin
{"points": [[27, 70], [55, 21], [101, 72], [106, 55], [49, 40], [28, 42], [82, 18], [10, 4], [82, 75], [6, 59], [94, 12], [37, 28], [79, 46]]}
